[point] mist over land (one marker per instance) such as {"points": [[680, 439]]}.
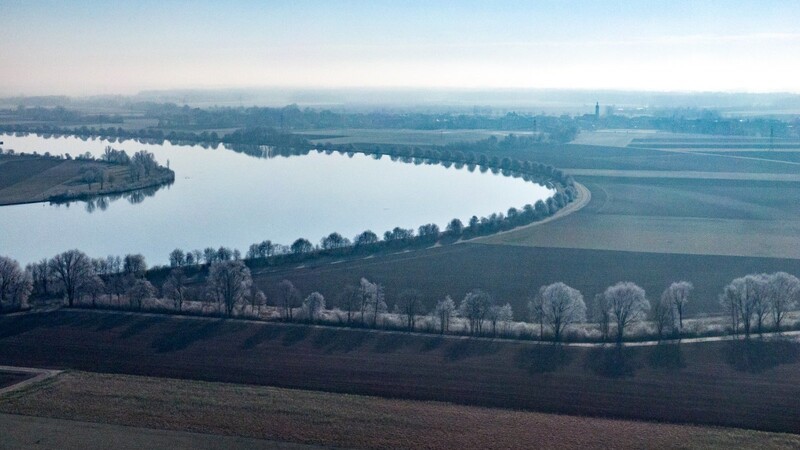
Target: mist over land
{"points": [[418, 224]]}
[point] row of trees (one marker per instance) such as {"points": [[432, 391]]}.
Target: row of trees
{"points": [[757, 300], [336, 244], [752, 303]]}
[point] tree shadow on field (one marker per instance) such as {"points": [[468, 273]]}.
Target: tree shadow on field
{"points": [[469, 348], [140, 326], [612, 362], [110, 321], [265, 333], [758, 355], [342, 341], [543, 358], [388, 343], [429, 344], [12, 326], [295, 334], [187, 333], [666, 356]]}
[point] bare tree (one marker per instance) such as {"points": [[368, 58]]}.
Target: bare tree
{"points": [[475, 307], [536, 311], [677, 295], [257, 300], [739, 300], [663, 314], [761, 302], [40, 276], [444, 311], [313, 306], [627, 304], [15, 284], [784, 293], [372, 300], [174, 288], [503, 315], [95, 287], [139, 291], [562, 306], [410, 303], [289, 298], [229, 282], [348, 301], [74, 270], [601, 312]]}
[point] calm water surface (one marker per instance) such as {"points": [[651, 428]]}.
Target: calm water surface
{"points": [[224, 198]]}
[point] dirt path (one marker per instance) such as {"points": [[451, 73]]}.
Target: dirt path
{"points": [[36, 375]]}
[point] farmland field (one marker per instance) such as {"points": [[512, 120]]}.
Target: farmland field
{"points": [[747, 385], [513, 273], [401, 137], [352, 421]]}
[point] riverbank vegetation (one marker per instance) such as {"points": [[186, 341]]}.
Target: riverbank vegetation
{"points": [[29, 178]]}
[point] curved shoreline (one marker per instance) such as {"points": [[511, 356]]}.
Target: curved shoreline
{"points": [[583, 199]]}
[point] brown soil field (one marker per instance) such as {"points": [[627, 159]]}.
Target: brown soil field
{"points": [[351, 421], [752, 384]]}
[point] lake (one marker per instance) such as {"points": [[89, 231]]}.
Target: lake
{"points": [[226, 198]]}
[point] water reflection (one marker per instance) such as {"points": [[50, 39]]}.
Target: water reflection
{"points": [[231, 198], [102, 202]]}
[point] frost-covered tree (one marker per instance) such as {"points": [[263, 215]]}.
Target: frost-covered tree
{"points": [[445, 310], [784, 294], [257, 299], [626, 304], [677, 295], [475, 307], [139, 291], [561, 307], [174, 288], [288, 298], [762, 305], [313, 306], [371, 300], [739, 299], [505, 315], [229, 282]]}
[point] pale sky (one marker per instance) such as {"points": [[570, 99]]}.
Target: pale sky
{"points": [[106, 47]]}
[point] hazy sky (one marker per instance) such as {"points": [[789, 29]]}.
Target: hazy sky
{"points": [[88, 47]]}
